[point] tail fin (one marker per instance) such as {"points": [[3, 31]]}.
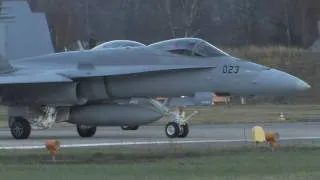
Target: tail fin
{"points": [[28, 35], [5, 66]]}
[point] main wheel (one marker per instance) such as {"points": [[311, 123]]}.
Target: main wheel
{"points": [[184, 131], [85, 131], [127, 128], [172, 130], [20, 128]]}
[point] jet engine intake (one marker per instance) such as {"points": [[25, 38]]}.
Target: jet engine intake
{"points": [[93, 89]]}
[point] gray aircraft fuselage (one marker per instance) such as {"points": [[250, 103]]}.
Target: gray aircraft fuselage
{"points": [[227, 75], [95, 87]]}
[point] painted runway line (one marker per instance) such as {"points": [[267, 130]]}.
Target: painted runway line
{"points": [[145, 143]]}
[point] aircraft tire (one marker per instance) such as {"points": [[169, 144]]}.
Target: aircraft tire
{"points": [[129, 128], [172, 130], [20, 128], [184, 131], [86, 132]]}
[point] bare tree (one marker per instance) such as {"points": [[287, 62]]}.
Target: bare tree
{"points": [[309, 15], [131, 9], [190, 12], [248, 18], [287, 22], [230, 22], [181, 16], [168, 10], [1, 15]]}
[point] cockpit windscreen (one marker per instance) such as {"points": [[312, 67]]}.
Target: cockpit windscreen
{"points": [[189, 47], [118, 44]]}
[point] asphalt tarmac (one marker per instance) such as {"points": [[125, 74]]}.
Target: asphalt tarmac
{"points": [[155, 134]]}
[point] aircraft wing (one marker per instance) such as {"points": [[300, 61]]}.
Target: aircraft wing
{"points": [[69, 75], [10, 75], [127, 69], [12, 78]]}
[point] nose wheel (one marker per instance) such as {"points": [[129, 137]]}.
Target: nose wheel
{"points": [[176, 130], [178, 127]]}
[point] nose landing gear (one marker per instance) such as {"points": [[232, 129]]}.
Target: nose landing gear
{"points": [[174, 130], [178, 127]]}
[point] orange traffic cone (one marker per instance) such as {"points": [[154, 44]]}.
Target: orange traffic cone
{"points": [[272, 140], [53, 146]]}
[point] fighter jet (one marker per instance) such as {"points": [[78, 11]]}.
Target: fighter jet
{"points": [[96, 87]]}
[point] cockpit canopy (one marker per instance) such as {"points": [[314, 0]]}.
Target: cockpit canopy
{"points": [[117, 44], [189, 47]]}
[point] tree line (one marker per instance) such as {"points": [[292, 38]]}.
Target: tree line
{"points": [[221, 22]]}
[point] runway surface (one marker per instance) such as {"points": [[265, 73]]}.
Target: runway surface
{"points": [[146, 135]]}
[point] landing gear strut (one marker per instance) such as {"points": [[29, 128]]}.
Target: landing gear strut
{"points": [[86, 131], [20, 128]]}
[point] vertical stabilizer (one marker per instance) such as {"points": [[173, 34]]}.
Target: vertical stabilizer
{"points": [[5, 66], [27, 35]]}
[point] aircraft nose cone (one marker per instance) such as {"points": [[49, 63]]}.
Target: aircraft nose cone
{"points": [[302, 86], [277, 82]]}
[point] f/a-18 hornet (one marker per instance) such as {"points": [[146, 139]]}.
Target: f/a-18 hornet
{"points": [[91, 88]]}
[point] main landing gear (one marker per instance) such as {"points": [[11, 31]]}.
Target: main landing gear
{"points": [[20, 128], [86, 131]]}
